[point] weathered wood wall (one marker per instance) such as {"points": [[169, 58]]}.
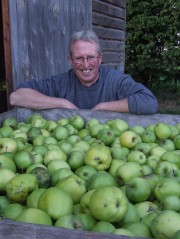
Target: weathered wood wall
{"points": [[40, 31], [108, 21]]}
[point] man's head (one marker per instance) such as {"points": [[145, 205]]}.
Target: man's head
{"points": [[85, 56]]}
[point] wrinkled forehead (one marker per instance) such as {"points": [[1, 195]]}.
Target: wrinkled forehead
{"points": [[84, 46]]}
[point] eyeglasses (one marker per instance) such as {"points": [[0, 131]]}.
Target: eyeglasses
{"points": [[80, 60]]}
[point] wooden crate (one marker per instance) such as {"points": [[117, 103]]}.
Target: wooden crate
{"points": [[11, 230]]}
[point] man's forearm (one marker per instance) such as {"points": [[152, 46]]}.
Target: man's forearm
{"points": [[117, 106], [32, 99]]}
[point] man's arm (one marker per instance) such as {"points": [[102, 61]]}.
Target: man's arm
{"points": [[32, 99], [118, 106]]}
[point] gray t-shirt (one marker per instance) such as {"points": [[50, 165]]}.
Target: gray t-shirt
{"points": [[112, 85]]}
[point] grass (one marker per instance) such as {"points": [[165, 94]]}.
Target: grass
{"points": [[169, 99]]}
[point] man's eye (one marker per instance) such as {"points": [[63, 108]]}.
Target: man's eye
{"points": [[91, 58]]}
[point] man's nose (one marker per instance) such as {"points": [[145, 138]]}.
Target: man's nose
{"points": [[85, 62]]}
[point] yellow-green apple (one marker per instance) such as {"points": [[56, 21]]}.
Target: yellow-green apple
{"points": [[98, 156], [91, 122], [108, 204], [19, 187], [162, 130], [6, 131], [128, 171], [119, 152], [136, 156], [170, 202], [57, 164], [32, 199], [128, 139], [10, 121], [115, 164], [106, 135], [165, 224], [74, 186], [13, 210], [34, 215], [139, 229], [87, 220], [69, 221], [85, 172], [75, 159], [84, 201], [177, 141], [123, 231], [54, 154], [5, 176], [95, 129], [138, 189], [138, 129], [119, 124], [145, 208], [8, 145], [171, 157], [7, 162], [59, 174], [60, 132], [164, 167], [143, 147], [103, 226], [148, 136], [101, 179], [77, 121], [63, 121]]}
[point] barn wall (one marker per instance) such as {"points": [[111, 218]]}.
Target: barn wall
{"points": [[40, 32], [108, 21]]}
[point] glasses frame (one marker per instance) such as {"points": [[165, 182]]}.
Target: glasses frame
{"points": [[89, 59]]}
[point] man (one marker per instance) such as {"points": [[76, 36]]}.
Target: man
{"points": [[88, 85]]}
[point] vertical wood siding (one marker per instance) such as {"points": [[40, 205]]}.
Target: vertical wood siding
{"points": [[40, 32], [108, 21]]}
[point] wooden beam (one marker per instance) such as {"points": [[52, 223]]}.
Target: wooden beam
{"points": [[7, 49]]}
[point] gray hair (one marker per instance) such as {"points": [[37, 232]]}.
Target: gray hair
{"points": [[88, 35]]}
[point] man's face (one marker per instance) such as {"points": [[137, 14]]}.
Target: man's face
{"points": [[85, 60]]}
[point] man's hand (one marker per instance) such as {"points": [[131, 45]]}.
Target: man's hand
{"points": [[117, 106]]}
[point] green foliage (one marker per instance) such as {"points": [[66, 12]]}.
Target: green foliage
{"points": [[153, 41]]}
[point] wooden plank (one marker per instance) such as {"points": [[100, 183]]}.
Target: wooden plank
{"points": [[7, 49], [108, 9], [112, 57], [110, 34], [12, 230], [40, 34], [110, 45], [119, 3], [106, 21]]}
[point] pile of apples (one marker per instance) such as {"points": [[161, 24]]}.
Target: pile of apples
{"points": [[87, 175]]}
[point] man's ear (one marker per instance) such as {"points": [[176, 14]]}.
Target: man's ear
{"points": [[70, 60], [100, 59]]}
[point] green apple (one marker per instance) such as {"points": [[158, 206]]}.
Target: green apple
{"points": [[128, 171], [138, 129], [54, 154], [35, 165], [72, 139], [138, 189], [149, 217], [128, 139], [57, 164], [6, 131], [59, 174], [88, 221], [5, 176], [75, 159], [33, 197], [136, 156], [146, 169], [152, 161], [13, 210], [43, 176], [139, 229], [77, 121], [32, 133], [81, 145], [131, 215], [74, 186], [157, 151], [119, 152], [164, 168], [119, 124], [82, 133], [123, 231], [77, 209], [7, 162], [115, 164], [84, 201], [49, 140], [106, 135], [35, 216], [39, 122], [94, 130], [150, 127], [63, 121], [65, 146], [19, 134], [174, 174], [153, 179], [51, 124], [56, 202], [60, 132], [165, 224], [85, 172], [145, 208], [108, 204], [174, 131], [4, 202], [69, 221], [101, 179], [23, 160], [90, 123], [171, 157], [19, 187], [177, 141], [71, 129], [162, 131], [168, 144], [176, 235], [144, 148], [10, 121], [171, 202], [98, 156], [8, 145], [148, 136], [167, 187], [103, 226]]}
